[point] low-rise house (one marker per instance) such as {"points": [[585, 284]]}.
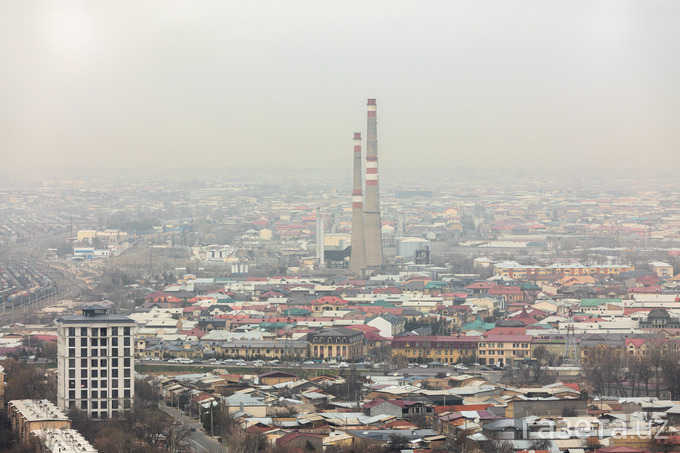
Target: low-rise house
{"points": [[398, 408], [243, 402]]}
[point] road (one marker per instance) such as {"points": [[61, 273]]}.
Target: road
{"points": [[199, 441]]}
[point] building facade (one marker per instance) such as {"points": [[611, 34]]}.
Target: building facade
{"points": [[95, 362], [442, 348], [337, 342]]}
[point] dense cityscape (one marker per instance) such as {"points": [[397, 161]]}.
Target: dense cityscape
{"points": [[201, 316], [339, 227]]}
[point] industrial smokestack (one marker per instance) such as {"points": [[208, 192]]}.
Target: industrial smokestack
{"points": [[372, 224], [357, 260]]}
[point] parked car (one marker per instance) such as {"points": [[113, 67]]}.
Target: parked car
{"points": [[241, 363]]}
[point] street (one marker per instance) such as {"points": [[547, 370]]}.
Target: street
{"points": [[199, 441]]}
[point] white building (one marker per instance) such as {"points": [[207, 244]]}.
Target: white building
{"points": [[95, 362]]}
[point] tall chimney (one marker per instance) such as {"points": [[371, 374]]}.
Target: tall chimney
{"points": [[357, 260], [372, 224]]}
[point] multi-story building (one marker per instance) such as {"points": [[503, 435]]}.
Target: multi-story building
{"points": [[504, 349], [95, 362], [27, 416], [515, 270], [336, 342], [442, 348]]}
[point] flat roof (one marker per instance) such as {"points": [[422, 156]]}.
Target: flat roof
{"points": [[96, 319], [38, 410]]}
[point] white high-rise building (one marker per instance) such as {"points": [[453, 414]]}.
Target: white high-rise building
{"points": [[95, 362]]}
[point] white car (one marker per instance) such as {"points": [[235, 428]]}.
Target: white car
{"points": [[241, 363]]}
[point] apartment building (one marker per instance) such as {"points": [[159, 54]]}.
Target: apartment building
{"points": [[504, 349], [95, 362], [442, 348], [27, 416]]}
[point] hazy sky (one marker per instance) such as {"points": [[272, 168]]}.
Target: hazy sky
{"points": [[284, 83]]}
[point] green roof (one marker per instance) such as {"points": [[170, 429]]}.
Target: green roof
{"points": [[598, 302], [296, 312], [478, 324], [435, 284]]}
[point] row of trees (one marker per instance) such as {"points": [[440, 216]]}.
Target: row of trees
{"points": [[613, 373]]}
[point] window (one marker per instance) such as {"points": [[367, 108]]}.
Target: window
{"points": [[95, 331], [126, 394], [83, 373], [72, 352], [126, 341], [114, 351], [103, 394], [83, 404], [102, 342], [102, 352], [126, 362], [126, 383], [71, 363], [83, 342], [72, 374], [126, 352], [95, 414], [95, 394], [95, 373], [114, 372], [72, 383], [114, 331], [93, 363], [114, 393], [83, 383], [95, 384], [83, 394], [103, 373], [126, 331], [72, 332], [72, 342], [126, 372], [71, 394], [114, 404], [83, 331], [114, 341], [94, 352], [83, 363], [102, 331], [102, 383], [102, 362], [93, 342], [83, 352]]}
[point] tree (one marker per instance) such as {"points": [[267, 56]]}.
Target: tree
{"points": [[26, 381], [397, 442]]}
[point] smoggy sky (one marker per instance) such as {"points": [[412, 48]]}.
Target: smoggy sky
{"points": [[533, 84]]}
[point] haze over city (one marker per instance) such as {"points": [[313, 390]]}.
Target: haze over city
{"points": [[353, 227], [282, 85]]}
